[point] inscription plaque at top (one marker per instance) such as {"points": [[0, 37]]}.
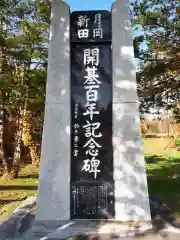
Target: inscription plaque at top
{"points": [[91, 26]]}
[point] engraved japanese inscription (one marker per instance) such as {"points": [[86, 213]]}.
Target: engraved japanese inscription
{"points": [[92, 186], [91, 26]]}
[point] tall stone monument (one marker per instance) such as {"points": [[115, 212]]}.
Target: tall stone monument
{"points": [[92, 163]]}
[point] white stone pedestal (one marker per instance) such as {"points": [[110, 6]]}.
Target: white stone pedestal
{"points": [[131, 194], [53, 198]]}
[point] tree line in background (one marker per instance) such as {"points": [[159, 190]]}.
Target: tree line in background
{"points": [[157, 49], [24, 31]]}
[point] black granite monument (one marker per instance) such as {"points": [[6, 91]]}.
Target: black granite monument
{"points": [[92, 185]]}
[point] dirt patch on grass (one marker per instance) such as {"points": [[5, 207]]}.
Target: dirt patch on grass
{"points": [[158, 146]]}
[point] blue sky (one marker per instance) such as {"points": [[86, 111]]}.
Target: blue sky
{"points": [[79, 5]]}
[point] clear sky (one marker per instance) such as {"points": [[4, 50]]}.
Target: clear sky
{"points": [[79, 5]]}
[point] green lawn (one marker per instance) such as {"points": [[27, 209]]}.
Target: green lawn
{"points": [[164, 178], [163, 171], [13, 192]]}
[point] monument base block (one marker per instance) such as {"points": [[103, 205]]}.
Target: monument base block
{"points": [[61, 229]]}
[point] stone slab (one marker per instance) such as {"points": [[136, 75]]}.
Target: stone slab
{"points": [[131, 193], [98, 228], [123, 62], [57, 88], [53, 197]]}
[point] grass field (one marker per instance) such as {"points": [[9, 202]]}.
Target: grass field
{"points": [[13, 192], [163, 170]]}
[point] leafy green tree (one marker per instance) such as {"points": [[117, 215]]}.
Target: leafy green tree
{"points": [[26, 57], [7, 25], [31, 55], [157, 22]]}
